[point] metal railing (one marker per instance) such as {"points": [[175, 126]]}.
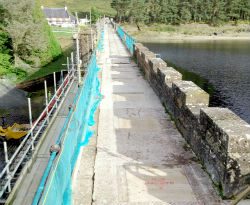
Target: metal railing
{"points": [[126, 38], [25, 150]]}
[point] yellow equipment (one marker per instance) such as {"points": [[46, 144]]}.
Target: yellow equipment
{"points": [[15, 132]]}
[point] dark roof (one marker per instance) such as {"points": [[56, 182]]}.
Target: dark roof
{"points": [[73, 18], [56, 13]]}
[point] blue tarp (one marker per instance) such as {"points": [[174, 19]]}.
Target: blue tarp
{"points": [[127, 39], [55, 186]]}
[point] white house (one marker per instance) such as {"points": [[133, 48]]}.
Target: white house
{"points": [[59, 17], [84, 21]]}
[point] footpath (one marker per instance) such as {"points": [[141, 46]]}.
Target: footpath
{"points": [[141, 157]]}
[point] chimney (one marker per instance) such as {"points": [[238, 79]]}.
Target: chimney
{"points": [[42, 7], [66, 8]]}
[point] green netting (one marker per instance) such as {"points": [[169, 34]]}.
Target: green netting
{"points": [[127, 39], [55, 186]]}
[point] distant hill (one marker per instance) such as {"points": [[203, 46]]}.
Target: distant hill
{"points": [[102, 6]]}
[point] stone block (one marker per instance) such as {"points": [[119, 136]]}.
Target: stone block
{"points": [[146, 55], [172, 75], [188, 94], [221, 125], [139, 50], [155, 63]]}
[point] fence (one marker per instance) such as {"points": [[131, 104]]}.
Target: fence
{"points": [[23, 153], [55, 187], [126, 38]]}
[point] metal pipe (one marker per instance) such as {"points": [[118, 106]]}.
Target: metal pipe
{"points": [[241, 196], [7, 161], [31, 123], [72, 60], [55, 93], [62, 80], [46, 100], [88, 48], [92, 46], [68, 64], [78, 59]]}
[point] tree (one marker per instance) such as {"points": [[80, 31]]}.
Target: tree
{"points": [[121, 7], [245, 10], [32, 40], [184, 11], [153, 10], [217, 11], [233, 10], [176, 11], [94, 14], [169, 12], [137, 12]]}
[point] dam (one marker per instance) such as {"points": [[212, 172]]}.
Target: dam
{"points": [[133, 132]]}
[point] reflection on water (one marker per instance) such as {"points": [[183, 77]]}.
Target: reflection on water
{"points": [[222, 68]]}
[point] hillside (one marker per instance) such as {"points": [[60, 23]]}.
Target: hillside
{"points": [[26, 40], [103, 7]]}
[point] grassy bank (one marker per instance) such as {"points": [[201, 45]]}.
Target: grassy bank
{"points": [[163, 32], [66, 42]]}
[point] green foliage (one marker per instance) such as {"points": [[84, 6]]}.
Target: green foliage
{"points": [[213, 12], [95, 14], [5, 43], [26, 36], [7, 69], [5, 65], [137, 12], [122, 8], [54, 66]]}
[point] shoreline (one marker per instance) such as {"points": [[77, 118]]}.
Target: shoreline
{"points": [[188, 32], [164, 38]]}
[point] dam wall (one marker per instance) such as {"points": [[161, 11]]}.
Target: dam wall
{"points": [[218, 137]]}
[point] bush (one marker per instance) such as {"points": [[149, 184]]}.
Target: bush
{"points": [[5, 64]]}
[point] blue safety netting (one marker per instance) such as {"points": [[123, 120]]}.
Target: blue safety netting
{"points": [[55, 186], [127, 39]]}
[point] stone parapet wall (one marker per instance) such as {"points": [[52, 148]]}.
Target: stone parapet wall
{"points": [[219, 138]]}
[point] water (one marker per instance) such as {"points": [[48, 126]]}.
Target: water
{"points": [[36, 92], [222, 68]]}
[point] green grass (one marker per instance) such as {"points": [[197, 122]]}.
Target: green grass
{"points": [[65, 39], [54, 66], [102, 6], [57, 29]]}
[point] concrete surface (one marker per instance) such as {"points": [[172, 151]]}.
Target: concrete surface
{"points": [[141, 157], [83, 175]]}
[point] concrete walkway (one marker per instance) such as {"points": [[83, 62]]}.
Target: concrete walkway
{"points": [[141, 157]]}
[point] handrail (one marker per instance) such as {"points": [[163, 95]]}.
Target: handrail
{"points": [[52, 105], [128, 40], [60, 140]]}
